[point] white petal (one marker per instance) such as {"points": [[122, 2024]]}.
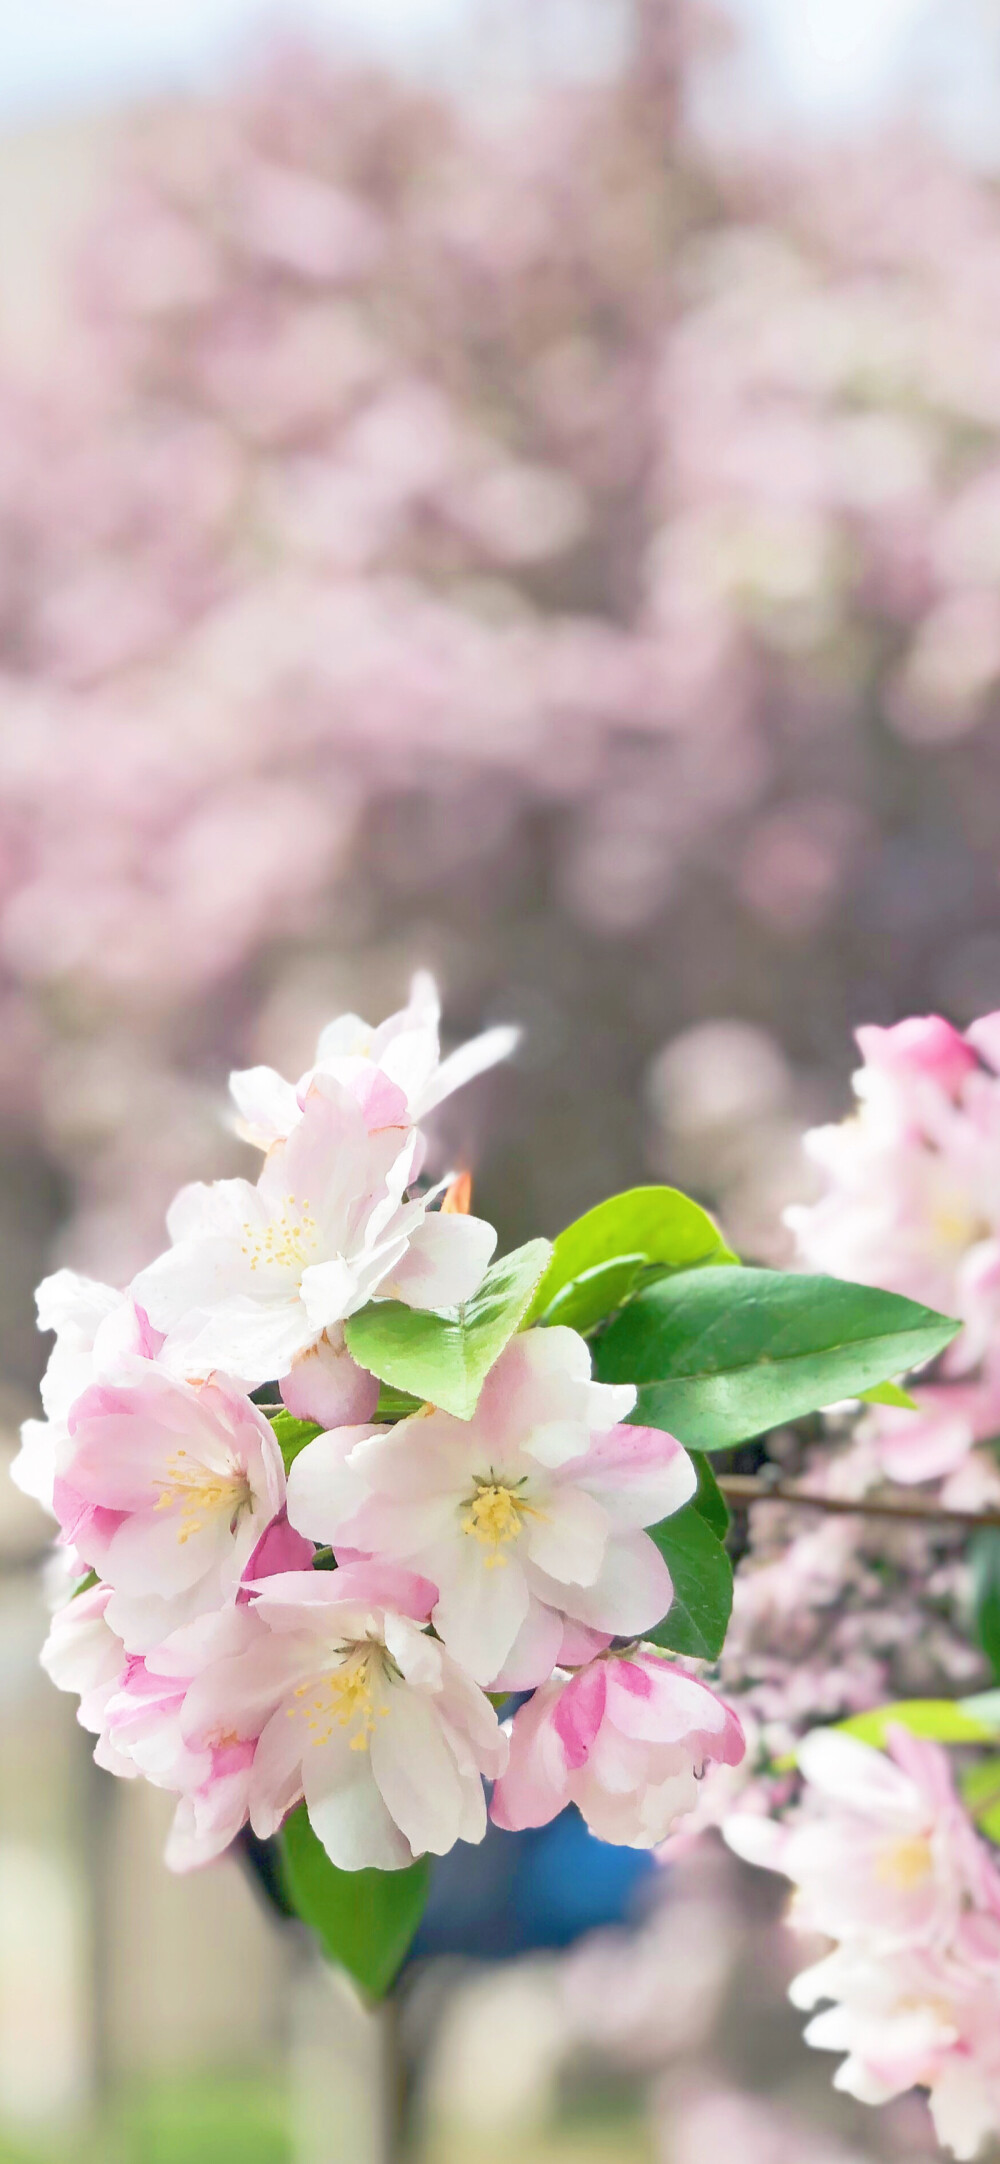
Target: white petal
{"points": [[480, 1610], [463, 1065], [631, 1592], [34, 1468], [854, 1773], [266, 1104], [534, 1652], [416, 1772], [323, 1491], [639, 1474], [330, 1291], [444, 1263], [569, 1536], [347, 1812]]}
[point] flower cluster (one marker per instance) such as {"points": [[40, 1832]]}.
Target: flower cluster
{"points": [[250, 1632], [912, 1203], [885, 1862]]}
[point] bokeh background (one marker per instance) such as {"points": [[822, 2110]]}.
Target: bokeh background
{"points": [[514, 488]]}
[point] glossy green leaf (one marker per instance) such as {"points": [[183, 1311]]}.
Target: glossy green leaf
{"points": [[889, 1394], [292, 1435], [658, 1223], [709, 1499], [702, 1577], [984, 1560], [595, 1293], [940, 1720], [722, 1355], [364, 1920], [445, 1359]]}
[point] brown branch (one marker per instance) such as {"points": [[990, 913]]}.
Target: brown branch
{"points": [[745, 1488]]}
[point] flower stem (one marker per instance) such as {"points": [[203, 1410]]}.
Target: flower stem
{"points": [[745, 1488]]}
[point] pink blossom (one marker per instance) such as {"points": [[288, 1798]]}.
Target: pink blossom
{"points": [[528, 1517], [84, 1655], [912, 1197], [166, 1488], [94, 1326], [150, 1730], [257, 1275], [626, 1739], [358, 1710], [917, 2017], [936, 1442], [885, 1861], [405, 1049], [881, 1848]]}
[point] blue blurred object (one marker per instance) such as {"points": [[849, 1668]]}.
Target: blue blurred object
{"points": [[520, 1891]]}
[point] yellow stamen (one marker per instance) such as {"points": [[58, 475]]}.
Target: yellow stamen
{"points": [[493, 1516], [289, 1241], [345, 1695], [905, 1863], [201, 1493]]}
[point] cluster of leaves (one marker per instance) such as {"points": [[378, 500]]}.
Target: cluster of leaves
{"points": [[719, 1353]]}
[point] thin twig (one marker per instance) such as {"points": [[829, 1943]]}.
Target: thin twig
{"points": [[743, 1488]]}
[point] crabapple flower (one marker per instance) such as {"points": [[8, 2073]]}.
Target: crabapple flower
{"points": [[166, 1489], [258, 1275], [885, 1861], [625, 1739], [917, 2017], [405, 1049], [528, 1517], [95, 1326], [150, 1729], [913, 1180], [84, 1655], [358, 1711], [881, 1850]]}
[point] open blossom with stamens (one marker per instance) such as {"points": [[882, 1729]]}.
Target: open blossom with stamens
{"points": [[920, 2017], [405, 1048], [626, 1739], [360, 1712], [259, 1275], [886, 1862], [881, 1847], [95, 1326], [528, 1518], [165, 1488], [912, 1198]]}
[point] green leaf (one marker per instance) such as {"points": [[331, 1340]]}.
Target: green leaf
{"points": [[708, 1498], [292, 1435], [940, 1720], [395, 1404], [364, 1920], [722, 1355], [445, 1359], [595, 1293], [658, 1223], [984, 1560], [889, 1394], [702, 1577]]}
